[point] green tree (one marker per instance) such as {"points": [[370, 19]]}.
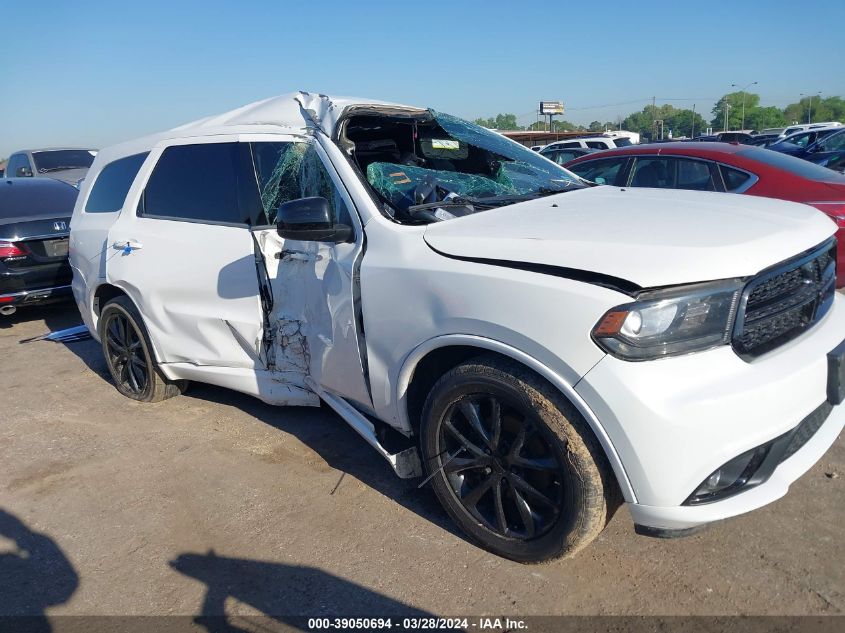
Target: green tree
{"points": [[500, 122], [677, 120], [761, 118], [734, 104], [827, 109]]}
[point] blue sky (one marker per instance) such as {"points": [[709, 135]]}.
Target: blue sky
{"points": [[93, 73]]}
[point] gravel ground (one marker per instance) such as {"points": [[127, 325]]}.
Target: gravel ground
{"points": [[213, 501]]}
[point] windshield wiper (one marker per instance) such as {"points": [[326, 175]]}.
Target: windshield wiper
{"points": [[46, 170]]}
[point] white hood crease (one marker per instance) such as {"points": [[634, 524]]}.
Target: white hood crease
{"points": [[649, 237]]}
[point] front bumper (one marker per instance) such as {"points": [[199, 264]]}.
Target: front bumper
{"points": [[675, 421]]}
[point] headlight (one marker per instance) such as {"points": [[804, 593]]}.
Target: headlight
{"points": [[669, 322]]}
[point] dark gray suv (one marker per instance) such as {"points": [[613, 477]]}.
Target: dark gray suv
{"points": [[69, 165]]}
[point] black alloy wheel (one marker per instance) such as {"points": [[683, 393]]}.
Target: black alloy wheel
{"points": [[513, 462], [504, 472], [125, 354], [128, 353]]}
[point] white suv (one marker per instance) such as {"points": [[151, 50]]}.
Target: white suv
{"points": [[539, 348], [592, 142]]}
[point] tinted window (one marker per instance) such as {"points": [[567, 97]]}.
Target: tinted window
{"points": [[832, 143], [56, 160], [672, 173], [112, 185], [15, 163], [694, 175], [569, 144], [799, 139], [195, 182], [290, 171], [622, 141], [734, 179], [562, 156], [603, 172], [597, 144], [652, 172], [796, 166]]}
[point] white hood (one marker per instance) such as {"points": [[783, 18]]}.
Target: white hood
{"points": [[651, 237]]}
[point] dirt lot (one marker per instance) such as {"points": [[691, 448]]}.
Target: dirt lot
{"points": [[214, 500]]}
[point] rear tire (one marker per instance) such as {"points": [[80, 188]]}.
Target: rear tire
{"points": [[514, 463], [128, 354]]}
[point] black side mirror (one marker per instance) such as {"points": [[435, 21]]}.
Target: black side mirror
{"points": [[310, 219], [23, 172]]}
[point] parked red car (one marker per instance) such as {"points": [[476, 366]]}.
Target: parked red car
{"points": [[723, 167]]}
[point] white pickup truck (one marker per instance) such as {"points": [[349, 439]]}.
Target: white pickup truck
{"points": [[539, 348]]}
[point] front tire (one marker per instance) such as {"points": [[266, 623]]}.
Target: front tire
{"points": [[128, 354], [514, 463]]}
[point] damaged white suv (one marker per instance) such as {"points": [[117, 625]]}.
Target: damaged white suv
{"points": [[542, 349]]}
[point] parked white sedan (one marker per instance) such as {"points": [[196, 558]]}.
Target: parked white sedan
{"points": [[539, 348]]}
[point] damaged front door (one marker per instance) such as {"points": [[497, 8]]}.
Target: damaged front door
{"points": [[314, 324]]}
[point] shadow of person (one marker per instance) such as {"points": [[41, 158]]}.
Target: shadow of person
{"points": [[34, 574], [289, 594]]}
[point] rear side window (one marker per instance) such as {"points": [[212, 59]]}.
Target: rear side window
{"points": [[734, 178], [694, 175], [569, 144], [109, 192], [622, 141], [194, 182], [597, 144]]}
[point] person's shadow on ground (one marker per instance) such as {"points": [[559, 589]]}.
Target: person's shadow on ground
{"points": [[289, 594], [34, 574]]}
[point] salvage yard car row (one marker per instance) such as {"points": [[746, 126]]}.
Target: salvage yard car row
{"points": [[540, 348]]}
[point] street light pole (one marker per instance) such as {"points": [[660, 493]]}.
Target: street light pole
{"points": [[743, 100], [810, 104]]}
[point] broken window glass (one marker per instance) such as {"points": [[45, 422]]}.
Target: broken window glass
{"points": [[413, 164], [290, 171]]}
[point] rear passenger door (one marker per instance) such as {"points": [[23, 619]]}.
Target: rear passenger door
{"points": [[183, 251]]}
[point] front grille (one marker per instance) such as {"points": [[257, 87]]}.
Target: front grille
{"points": [[802, 433], [781, 303]]}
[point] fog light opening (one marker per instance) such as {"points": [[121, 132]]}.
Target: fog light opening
{"points": [[731, 477]]}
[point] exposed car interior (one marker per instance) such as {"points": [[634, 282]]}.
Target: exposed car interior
{"points": [[429, 167]]}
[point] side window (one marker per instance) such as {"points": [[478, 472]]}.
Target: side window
{"points": [[734, 178], [113, 183], [597, 145], [603, 172], [194, 182], [652, 172], [570, 144], [18, 166], [832, 143], [290, 171], [801, 140], [695, 175]]}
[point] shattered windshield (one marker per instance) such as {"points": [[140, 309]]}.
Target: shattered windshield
{"points": [[440, 167]]}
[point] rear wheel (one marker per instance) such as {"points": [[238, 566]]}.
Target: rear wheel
{"points": [[513, 463], [128, 354]]}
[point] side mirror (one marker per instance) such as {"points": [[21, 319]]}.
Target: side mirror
{"points": [[23, 172], [310, 219]]}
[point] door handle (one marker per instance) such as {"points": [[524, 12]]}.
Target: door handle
{"points": [[127, 246]]}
